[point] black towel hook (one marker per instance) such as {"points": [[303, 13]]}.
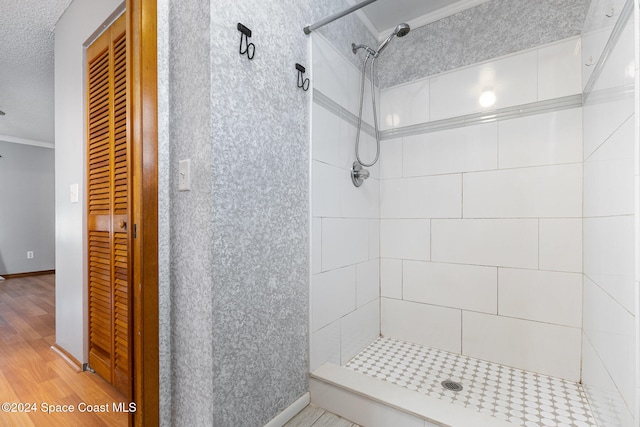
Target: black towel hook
{"points": [[302, 82], [250, 49]]}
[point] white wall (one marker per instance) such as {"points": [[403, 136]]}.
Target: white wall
{"points": [[75, 27], [481, 229], [345, 220], [27, 208], [610, 223]]}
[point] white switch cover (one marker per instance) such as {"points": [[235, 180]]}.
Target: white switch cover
{"points": [[73, 193], [184, 179]]}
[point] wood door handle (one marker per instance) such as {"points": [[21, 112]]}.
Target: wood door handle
{"points": [[123, 224]]}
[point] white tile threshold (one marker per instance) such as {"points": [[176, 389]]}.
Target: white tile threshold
{"points": [[393, 379]]}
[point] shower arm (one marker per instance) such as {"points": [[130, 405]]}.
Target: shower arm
{"points": [[325, 21]]}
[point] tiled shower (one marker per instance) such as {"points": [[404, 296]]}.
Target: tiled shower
{"points": [[505, 233]]}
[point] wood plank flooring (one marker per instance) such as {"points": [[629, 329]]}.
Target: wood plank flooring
{"points": [[31, 373], [312, 416]]}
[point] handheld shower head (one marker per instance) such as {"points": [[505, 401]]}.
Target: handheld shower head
{"points": [[401, 30]]}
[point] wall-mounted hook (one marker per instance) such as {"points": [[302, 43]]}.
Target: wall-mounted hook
{"points": [[590, 63], [302, 82], [250, 49]]}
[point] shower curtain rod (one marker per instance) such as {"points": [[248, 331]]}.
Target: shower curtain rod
{"points": [[325, 21]]}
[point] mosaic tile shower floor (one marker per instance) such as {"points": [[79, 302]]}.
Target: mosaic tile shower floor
{"points": [[520, 397]]}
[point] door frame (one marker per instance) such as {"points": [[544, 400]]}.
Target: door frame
{"points": [[142, 39]]}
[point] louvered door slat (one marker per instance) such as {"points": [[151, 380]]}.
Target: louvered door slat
{"points": [[108, 205]]}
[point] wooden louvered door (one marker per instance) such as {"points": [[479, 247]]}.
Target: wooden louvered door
{"points": [[109, 213]]}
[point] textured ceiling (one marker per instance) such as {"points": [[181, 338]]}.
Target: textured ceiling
{"points": [[26, 68]]}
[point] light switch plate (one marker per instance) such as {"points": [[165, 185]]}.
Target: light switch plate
{"points": [[184, 178], [73, 193]]}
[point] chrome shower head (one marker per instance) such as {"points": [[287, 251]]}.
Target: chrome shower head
{"points": [[401, 30]]}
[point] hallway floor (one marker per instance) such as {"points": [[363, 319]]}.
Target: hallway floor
{"points": [[33, 377]]}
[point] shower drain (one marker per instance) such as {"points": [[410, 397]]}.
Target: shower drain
{"points": [[451, 385]]}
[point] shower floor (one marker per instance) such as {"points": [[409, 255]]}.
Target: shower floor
{"points": [[520, 397]]}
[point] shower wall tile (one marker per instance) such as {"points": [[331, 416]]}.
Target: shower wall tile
{"points": [[367, 282], [405, 239], [561, 244], [547, 191], [513, 80], [325, 346], [357, 202], [559, 69], [333, 295], [316, 245], [428, 197], [544, 296], [391, 278], [608, 173], [460, 286], [326, 132], [325, 200], [374, 238], [333, 75], [609, 256], [405, 105], [466, 149], [543, 139], [358, 329], [496, 242], [414, 322], [611, 330], [534, 346], [391, 158], [344, 242]]}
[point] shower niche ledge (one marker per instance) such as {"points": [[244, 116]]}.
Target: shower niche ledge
{"points": [[374, 403]]}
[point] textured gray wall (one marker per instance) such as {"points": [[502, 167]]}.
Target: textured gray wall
{"points": [[490, 30], [27, 209], [239, 239]]}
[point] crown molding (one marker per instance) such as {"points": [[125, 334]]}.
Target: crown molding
{"points": [[25, 141]]}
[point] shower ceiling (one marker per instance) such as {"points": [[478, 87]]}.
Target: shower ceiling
{"points": [[384, 15]]}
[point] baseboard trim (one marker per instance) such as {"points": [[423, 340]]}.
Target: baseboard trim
{"points": [[31, 273], [285, 416], [67, 357]]}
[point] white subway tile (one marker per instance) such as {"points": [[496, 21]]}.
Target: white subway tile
{"points": [[607, 404], [358, 202], [490, 242], [424, 324], [391, 158], [325, 346], [610, 328], [465, 149], [333, 295], [329, 72], [374, 238], [405, 105], [367, 282], [603, 114], [358, 329], [609, 256], [427, 197], [545, 296], [545, 191], [316, 245], [608, 175], [404, 239], [461, 286], [619, 68], [542, 139], [513, 80], [391, 278], [593, 43], [561, 244], [344, 242], [325, 136], [539, 347], [326, 182], [560, 69]]}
